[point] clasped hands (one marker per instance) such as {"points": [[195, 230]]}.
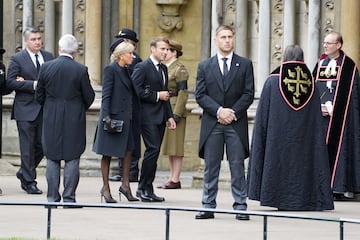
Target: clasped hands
{"points": [[226, 116]]}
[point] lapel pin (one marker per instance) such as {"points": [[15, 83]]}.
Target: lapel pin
{"points": [[237, 64]]}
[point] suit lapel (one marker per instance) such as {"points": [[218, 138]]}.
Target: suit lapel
{"points": [[28, 60], [234, 68], [215, 68]]}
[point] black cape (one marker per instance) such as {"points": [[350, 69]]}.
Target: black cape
{"points": [[343, 127], [288, 166]]}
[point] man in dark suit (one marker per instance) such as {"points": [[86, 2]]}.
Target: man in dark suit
{"points": [[65, 92], [22, 77], [151, 79], [224, 90], [130, 36]]}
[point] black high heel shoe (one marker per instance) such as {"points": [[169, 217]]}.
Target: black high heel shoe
{"points": [[107, 196], [127, 194]]}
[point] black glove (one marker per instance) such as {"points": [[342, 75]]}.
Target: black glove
{"points": [[177, 118]]}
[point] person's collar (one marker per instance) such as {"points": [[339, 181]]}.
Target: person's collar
{"points": [[31, 53], [155, 62], [67, 55], [171, 61], [229, 56]]}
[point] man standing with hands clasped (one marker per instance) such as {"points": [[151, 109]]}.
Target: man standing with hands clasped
{"points": [[224, 90], [151, 80], [22, 77]]}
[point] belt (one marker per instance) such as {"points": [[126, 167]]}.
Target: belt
{"points": [[173, 93]]}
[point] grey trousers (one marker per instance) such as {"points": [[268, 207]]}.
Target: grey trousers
{"points": [[214, 151], [71, 180]]}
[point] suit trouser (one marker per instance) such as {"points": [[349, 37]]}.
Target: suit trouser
{"points": [[152, 136], [30, 148], [214, 153], [71, 179]]}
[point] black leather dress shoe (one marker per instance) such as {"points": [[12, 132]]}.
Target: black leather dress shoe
{"points": [[242, 217], [115, 178], [146, 196], [157, 198], [33, 189], [143, 195], [22, 180], [204, 215]]}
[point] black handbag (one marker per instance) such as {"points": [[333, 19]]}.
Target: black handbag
{"points": [[113, 125]]}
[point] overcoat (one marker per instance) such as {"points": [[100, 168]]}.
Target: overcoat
{"points": [[65, 92], [118, 100]]}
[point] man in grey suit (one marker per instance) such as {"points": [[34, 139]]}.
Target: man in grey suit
{"points": [[65, 92], [224, 90], [22, 77]]}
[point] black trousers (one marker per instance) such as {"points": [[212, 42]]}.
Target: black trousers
{"points": [[152, 136]]}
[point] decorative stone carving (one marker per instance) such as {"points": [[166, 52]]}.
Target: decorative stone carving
{"points": [[278, 28], [279, 6], [170, 18], [329, 4], [40, 4], [80, 4], [329, 26]]}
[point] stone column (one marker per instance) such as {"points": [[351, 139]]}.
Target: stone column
{"points": [[241, 27], [93, 40], [289, 22], [27, 16], [49, 34], [205, 29], [67, 18], [350, 28], [263, 44], [313, 33]]}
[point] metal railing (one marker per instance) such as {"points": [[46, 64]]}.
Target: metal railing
{"points": [[49, 206]]}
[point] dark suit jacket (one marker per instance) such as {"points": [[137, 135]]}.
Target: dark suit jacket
{"points": [[25, 107], [148, 82], [237, 94], [65, 91]]}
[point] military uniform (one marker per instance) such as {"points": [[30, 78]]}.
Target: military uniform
{"points": [[173, 142]]}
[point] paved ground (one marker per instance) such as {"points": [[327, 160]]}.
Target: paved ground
{"points": [[30, 222]]}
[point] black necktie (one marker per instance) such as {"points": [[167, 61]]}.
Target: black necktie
{"points": [[225, 67], [37, 62], [161, 74]]}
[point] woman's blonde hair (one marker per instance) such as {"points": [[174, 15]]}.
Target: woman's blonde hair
{"points": [[124, 47]]}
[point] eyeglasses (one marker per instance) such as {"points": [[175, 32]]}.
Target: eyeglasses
{"points": [[329, 43]]}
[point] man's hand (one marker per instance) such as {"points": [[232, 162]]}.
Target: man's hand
{"points": [[19, 78], [164, 95], [172, 124], [226, 116]]}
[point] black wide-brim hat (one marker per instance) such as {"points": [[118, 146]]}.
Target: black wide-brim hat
{"points": [[115, 43], [128, 34], [2, 51]]}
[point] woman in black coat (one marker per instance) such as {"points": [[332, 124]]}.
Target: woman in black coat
{"points": [[118, 96]]}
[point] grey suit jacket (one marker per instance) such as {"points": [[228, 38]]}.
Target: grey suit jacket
{"points": [[236, 93]]}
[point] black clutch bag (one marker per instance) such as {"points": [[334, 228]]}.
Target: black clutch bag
{"points": [[113, 125]]}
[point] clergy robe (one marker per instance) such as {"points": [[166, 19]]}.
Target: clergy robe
{"points": [[288, 166], [342, 88]]}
